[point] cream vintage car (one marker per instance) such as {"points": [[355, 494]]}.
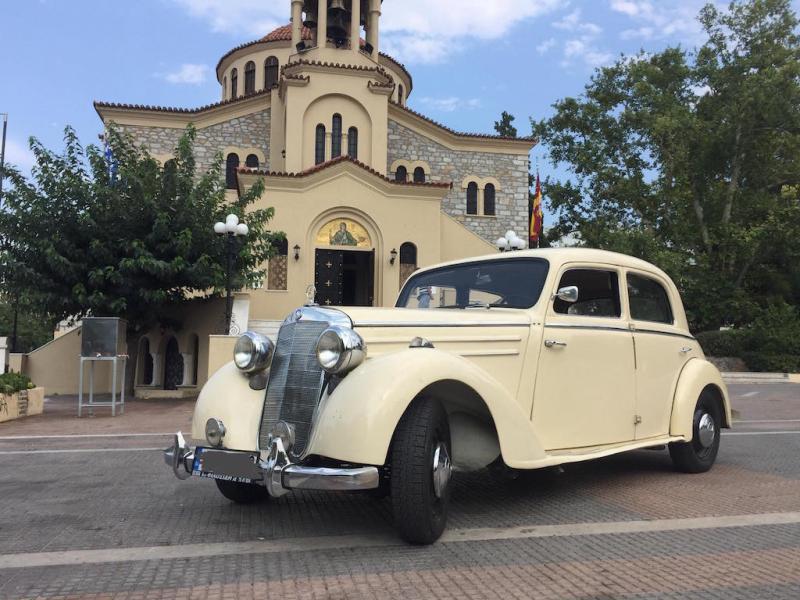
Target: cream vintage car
{"points": [[514, 361]]}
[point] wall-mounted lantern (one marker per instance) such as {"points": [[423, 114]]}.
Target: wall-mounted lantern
{"points": [[392, 256], [296, 252]]}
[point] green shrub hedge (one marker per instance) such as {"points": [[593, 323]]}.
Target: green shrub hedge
{"points": [[771, 343], [11, 383]]}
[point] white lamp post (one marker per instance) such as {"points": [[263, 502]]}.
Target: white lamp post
{"points": [[232, 229], [511, 241]]}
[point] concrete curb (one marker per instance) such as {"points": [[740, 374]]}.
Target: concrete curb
{"points": [[731, 377]]}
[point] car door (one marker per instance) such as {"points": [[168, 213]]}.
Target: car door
{"points": [[662, 350], [585, 387]]}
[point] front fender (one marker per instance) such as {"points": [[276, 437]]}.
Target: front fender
{"points": [[356, 422], [227, 396], [695, 376]]}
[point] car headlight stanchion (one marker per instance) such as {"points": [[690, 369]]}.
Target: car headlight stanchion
{"points": [[253, 352], [340, 350]]}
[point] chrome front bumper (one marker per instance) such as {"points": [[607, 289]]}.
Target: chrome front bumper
{"points": [[280, 474]]}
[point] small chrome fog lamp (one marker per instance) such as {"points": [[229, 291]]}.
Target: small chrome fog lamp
{"points": [[253, 352], [340, 350], [215, 431]]}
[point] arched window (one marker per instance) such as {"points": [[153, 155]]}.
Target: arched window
{"points": [[319, 146], [234, 83], [251, 162], [408, 261], [224, 87], [472, 198], [419, 175], [270, 73], [231, 164], [401, 174], [352, 142], [336, 136], [250, 78], [399, 94], [145, 362], [488, 199]]}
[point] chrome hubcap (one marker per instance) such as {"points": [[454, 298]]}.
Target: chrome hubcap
{"points": [[706, 430], [442, 469]]}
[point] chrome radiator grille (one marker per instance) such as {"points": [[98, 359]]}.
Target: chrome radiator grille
{"points": [[295, 383]]}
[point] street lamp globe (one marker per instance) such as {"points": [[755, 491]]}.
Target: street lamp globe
{"points": [[242, 229], [219, 227], [502, 244]]}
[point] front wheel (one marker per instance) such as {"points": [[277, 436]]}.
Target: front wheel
{"points": [[421, 470], [698, 456], [242, 493]]}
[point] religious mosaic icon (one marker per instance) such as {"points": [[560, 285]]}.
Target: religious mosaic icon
{"points": [[344, 232]]}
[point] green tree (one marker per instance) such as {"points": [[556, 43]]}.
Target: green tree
{"points": [[692, 160], [505, 125], [81, 238]]}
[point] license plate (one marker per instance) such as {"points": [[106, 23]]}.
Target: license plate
{"points": [[227, 465]]}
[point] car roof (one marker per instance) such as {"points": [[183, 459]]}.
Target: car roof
{"points": [[559, 256]]}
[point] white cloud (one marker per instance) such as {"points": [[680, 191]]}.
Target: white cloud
{"points": [[415, 31], [187, 74], [546, 45], [572, 22], [239, 17], [19, 155], [659, 20], [451, 103], [581, 46]]}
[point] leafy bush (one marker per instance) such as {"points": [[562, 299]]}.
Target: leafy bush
{"points": [[729, 342], [770, 343], [11, 383], [774, 363]]}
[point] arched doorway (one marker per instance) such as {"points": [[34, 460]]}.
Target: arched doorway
{"points": [[173, 365], [145, 367], [344, 268]]}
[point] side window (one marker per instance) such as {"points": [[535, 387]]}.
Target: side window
{"points": [[598, 293], [648, 300]]}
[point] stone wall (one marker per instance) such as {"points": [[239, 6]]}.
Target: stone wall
{"points": [[250, 131], [511, 170]]}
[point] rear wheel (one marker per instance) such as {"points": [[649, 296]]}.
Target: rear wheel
{"points": [[242, 493], [698, 456], [421, 470]]}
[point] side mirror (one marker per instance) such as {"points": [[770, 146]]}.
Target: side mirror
{"points": [[568, 294]]}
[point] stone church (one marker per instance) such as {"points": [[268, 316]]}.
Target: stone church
{"points": [[366, 189]]}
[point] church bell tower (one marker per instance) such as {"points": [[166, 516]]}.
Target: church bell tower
{"points": [[335, 89]]}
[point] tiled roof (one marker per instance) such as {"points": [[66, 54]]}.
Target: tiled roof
{"points": [[284, 34], [460, 133], [336, 161], [171, 109]]}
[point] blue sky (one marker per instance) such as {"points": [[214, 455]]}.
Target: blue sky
{"points": [[470, 59]]}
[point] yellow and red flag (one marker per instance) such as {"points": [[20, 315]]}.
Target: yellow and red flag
{"points": [[536, 217]]}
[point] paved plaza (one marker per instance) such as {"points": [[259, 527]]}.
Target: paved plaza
{"points": [[89, 510]]}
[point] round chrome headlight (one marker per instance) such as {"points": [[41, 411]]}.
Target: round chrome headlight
{"points": [[340, 350], [253, 352]]}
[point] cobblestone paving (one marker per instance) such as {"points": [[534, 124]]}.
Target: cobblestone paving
{"points": [[60, 495]]}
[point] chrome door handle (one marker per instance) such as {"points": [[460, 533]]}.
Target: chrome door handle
{"points": [[685, 349], [551, 343]]}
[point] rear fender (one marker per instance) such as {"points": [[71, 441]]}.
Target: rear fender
{"points": [[356, 422], [696, 376]]}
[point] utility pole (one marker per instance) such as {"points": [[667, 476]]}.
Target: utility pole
{"points": [[2, 178]]}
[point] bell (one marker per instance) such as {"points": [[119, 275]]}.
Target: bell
{"points": [[310, 10], [338, 21]]}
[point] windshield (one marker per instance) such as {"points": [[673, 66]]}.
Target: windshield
{"points": [[507, 283]]}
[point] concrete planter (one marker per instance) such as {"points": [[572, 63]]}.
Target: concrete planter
{"points": [[21, 404]]}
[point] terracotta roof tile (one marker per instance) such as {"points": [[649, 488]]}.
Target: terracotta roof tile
{"points": [[171, 109], [284, 34], [460, 133], [336, 161]]}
